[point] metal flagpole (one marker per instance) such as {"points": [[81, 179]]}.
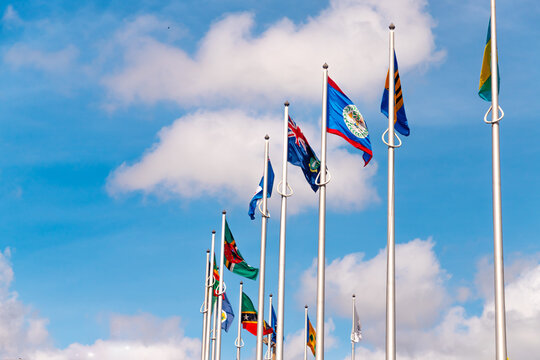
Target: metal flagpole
{"points": [[269, 336], [210, 284], [390, 261], [213, 339], [283, 219], [353, 325], [205, 307], [264, 220], [500, 313], [221, 289], [322, 224], [238, 342], [305, 332]]}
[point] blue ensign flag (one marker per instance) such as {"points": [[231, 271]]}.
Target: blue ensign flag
{"points": [[344, 119], [400, 119], [259, 192], [227, 314], [274, 323], [302, 155]]}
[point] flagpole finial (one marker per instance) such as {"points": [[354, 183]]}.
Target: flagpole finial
{"points": [[224, 212], [207, 251], [306, 306], [241, 283], [270, 295], [213, 231], [325, 66], [392, 26], [266, 137], [353, 295], [286, 103]]}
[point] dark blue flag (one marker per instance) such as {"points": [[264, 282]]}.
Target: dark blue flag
{"points": [[259, 192], [302, 155], [227, 314], [274, 323]]}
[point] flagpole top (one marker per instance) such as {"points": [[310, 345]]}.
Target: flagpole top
{"points": [[306, 306], [286, 103], [266, 137], [353, 295], [392, 26], [241, 283], [270, 295], [325, 66], [207, 251], [224, 212], [213, 231]]}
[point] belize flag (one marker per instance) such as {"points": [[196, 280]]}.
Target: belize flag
{"points": [[345, 120], [301, 154]]}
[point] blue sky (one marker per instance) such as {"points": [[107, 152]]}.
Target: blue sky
{"points": [[126, 129]]}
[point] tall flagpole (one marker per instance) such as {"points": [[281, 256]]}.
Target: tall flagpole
{"points": [[305, 332], [390, 261], [221, 290], [282, 227], [205, 307], [210, 284], [269, 336], [353, 325], [322, 224], [500, 313], [262, 268], [238, 342]]}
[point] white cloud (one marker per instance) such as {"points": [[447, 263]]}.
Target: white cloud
{"points": [[233, 63], [10, 17], [20, 55], [221, 154]]}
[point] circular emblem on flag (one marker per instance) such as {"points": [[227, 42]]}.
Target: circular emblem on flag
{"points": [[355, 121], [223, 316]]}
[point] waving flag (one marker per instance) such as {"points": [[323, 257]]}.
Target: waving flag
{"points": [[302, 155], [356, 333], [227, 314], [484, 90], [345, 120], [400, 119], [259, 192], [234, 260], [249, 317], [274, 325], [311, 340]]}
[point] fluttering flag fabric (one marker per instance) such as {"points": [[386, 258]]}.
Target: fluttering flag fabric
{"points": [[274, 324], [234, 261], [215, 286], [259, 192], [344, 119], [249, 317], [311, 340], [484, 90], [400, 118], [227, 314], [356, 333], [301, 154]]}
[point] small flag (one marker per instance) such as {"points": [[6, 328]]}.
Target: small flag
{"points": [[258, 193], [356, 333], [311, 340], [345, 120], [227, 314], [249, 317], [234, 260], [400, 118], [302, 155], [274, 324], [215, 286], [484, 90]]}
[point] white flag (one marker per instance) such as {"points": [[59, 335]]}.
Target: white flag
{"points": [[356, 333]]}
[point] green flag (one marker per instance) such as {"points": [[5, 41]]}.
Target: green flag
{"points": [[484, 90], [234, 260], [249, 317]]}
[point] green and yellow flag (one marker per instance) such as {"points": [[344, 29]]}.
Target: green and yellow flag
{"points": [[484, 90], [311, 340]]}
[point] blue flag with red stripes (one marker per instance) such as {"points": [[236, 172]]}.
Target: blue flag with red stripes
{"points": [[344, 119]]}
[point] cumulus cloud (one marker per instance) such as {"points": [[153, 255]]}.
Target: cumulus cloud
{"points": [[232, 62], [221, 154], [20, 55]]}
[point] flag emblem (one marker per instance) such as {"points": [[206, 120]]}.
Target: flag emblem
{"points": [[355, 121]]}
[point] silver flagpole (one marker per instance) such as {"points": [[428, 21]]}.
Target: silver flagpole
{"points": [[353, 325], [500, 313], [269, 336], [205, 305], [283, 219], [210, 284], [305, 332], [213, 339], [221, 290], [322, 224], [390, 261], [264, 220], [238, 342]]}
